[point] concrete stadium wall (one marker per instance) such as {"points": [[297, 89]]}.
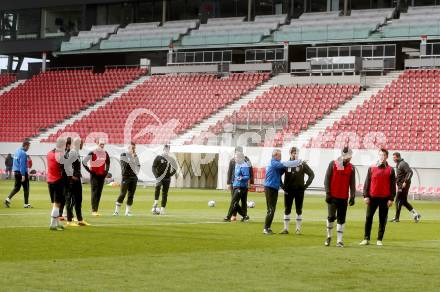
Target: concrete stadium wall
{"points": [[198, 162]]}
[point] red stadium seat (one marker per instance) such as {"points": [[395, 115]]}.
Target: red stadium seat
{"points": [[186, 98], [410, 114], [289, 101], [6, 79], [51, 97]]}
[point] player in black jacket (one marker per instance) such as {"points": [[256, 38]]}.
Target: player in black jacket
{"points": [[8, 165], [404, 174], [294, 188], [129, 169], [63, 212], [74, 185], [230, 178], [164, 167]]}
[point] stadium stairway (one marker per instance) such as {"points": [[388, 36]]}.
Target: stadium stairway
{"points": [[86, 112], [343, 110], [220, 115], [11, 86]]}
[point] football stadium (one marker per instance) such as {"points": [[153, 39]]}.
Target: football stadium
{"points": [[213, 145]]}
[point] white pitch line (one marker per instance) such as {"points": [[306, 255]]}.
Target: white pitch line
{"points": [[118, 225], [24, 214], [154, 224]]}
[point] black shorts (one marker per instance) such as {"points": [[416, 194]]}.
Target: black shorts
{"points": [[56, 191]]}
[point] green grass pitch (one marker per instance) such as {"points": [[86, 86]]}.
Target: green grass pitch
{"points": [[190, 249]]}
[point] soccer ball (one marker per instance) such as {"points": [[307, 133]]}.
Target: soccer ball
{"points": [[211, 204], [155, 211], [251, 204]]}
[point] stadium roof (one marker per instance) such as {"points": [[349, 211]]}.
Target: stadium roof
{"points": [[26, 4]]}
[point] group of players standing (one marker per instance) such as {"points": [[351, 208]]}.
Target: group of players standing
{"points": [[64, 179], [65, 186], [340, 187]]}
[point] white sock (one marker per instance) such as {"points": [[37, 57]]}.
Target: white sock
{"points": [[117, 207], [127, 209], [7, 199], [340, 231], [329, 228], [286, 222], [414, 212], [299, 219], [155, 203], [54, 216]]}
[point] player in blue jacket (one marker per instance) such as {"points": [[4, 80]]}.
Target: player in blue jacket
{"points": [[240, 185], [272, 184], [20, 169]]}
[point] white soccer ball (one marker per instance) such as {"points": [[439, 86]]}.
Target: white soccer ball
{"points": [[155, 211], [251, 204], [211, 204]]}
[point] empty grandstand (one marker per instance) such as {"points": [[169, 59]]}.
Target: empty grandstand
{"points": [[87, 39], [185, 99], [205, 72], [298, 106], [6, 79], [49, 98], [416, 22], [404, 116]]}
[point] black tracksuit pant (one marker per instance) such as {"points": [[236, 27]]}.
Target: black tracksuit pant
{"points": [[243, 200], [337, 210], [239, 194], [74, 200], [376, 203], [165, 185], [96, 183], [296, 195], [402, 200], [127, 185], [65, 181], [56, 191], [271, 202], [17, 186]]}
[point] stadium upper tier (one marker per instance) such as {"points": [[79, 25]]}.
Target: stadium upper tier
{"points": [[233, 30], [300, 105], [6, 79], [167, 105], [416, 22], [327, 26], [51, 97], [87, 39], [314, 27], [404, 116], [138, 35]]}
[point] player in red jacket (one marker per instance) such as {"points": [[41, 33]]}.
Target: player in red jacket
{"points": [[379, 192], [98, 169], [55, 182], [340, 189]]}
